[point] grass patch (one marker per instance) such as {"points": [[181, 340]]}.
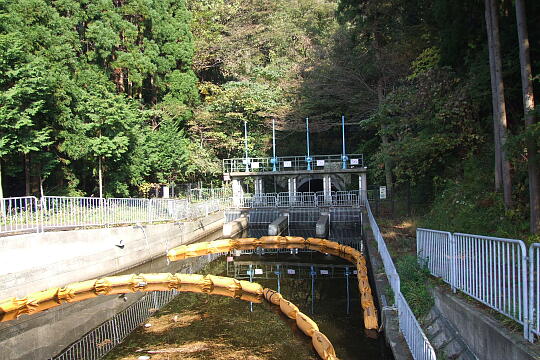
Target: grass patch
{"points": [[415, 285]]}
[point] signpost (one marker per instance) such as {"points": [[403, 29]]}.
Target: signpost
{"points": [[382, 192]]}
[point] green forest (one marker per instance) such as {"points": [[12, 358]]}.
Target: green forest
{"points": [[144, 92]]}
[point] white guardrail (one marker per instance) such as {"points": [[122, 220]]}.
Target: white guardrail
{"points": [[418, 343], [29, 214], [494, 271]]}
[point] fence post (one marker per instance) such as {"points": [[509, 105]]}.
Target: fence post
{"points": [[525, 262], [149, 211], [41, 210], [36, 209], [531, 302], [453, 262]]}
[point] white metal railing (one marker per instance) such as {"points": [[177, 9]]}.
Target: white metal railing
{"points": [[489, 269], [437, 251], [24, 214], [19, 214], [418, 343], [202, 194], [292, 163], [534, 290], [303, 199], [63, 211]]}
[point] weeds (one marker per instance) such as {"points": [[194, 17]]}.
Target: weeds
{"points": [[415, 285]]}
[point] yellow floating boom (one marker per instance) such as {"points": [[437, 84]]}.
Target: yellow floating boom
{"points": [[12, 308], [285, 242]]}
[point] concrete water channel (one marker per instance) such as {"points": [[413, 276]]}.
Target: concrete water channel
{"points": [[198, 326]]}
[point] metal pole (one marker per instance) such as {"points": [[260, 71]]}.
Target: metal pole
{"points": [[278, 273], [343, 155], [274, 160], [308, 158], [347, 280], [313, 273], [246, 145], [250, 280]]}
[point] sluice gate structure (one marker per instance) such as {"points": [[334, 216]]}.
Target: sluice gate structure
{"points": [[316, 192]]}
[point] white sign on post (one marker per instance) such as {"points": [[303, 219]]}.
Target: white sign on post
{"points": [[287, 164], [354, 162], [324, 272], [382, 192], [291, 271], [254, 165], [320, 162], [258, 271]]}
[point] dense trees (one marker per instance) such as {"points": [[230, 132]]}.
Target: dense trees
{"points": [[432, 121], [93, 91], [142, 91]]}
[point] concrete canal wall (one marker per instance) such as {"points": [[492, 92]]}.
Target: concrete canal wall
{"points": [[34, 262], [57, 258]]}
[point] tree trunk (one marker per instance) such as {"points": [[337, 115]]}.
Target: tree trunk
{"points": [[380, 98], [530, 120], [100, 175], [501, 105], [496, 133], [27, 190], [41, 192]]}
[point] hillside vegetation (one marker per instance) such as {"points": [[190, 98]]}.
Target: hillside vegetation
{"points": [[154, 92]]}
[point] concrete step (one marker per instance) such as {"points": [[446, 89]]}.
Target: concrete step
{"points": [[444, 338]]}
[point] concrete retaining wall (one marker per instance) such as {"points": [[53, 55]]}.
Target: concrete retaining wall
{"points": [[35, 262], [486, 337], [236, 226]]}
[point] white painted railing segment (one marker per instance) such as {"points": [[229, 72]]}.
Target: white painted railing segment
{"points": [[534, 290], [418, 343], [494, 272], [303, 199], [437, 250], [489, 269], [19, 214], [58, 212]]}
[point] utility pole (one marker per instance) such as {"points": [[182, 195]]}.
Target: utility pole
{"points": [[308, 158], [344, 157], [274, 159], [246, 146]]}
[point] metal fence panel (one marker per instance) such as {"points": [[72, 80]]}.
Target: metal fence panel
{"points": [[489, 269], [19, 214], [63, 211], [127, 211], [494, 272], [534, 290], [437, 251], [418, 343]]}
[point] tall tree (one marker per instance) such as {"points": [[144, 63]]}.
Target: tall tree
{"points": [[501, 125], [530, 119]]}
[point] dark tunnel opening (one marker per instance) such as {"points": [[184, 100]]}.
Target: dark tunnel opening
{"points": [[313, 185]]}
